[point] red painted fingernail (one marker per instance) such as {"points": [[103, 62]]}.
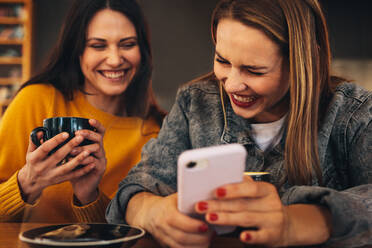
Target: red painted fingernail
{"points": [[247, 237], [221, 192], [213, 217], [203, 228], [202, 206]]}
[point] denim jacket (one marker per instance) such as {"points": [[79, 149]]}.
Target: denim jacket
{"points": [[345, 152]]}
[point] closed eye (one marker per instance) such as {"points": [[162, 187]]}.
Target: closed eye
{"points": [[98, 46], [96, 43], [128, 45], [245, 69], [222, 61], [253, 72]]}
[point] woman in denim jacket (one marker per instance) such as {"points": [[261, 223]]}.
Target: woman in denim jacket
{"points": [[271, 91]]}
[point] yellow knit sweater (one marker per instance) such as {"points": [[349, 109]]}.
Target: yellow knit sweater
{"points": [[123, 141]]}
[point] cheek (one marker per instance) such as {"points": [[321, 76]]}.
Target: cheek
{"points": [[134, 57], [276, 93], [87, 62], [270, 87]]}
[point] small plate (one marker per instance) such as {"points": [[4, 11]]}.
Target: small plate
{"points": [[86, 235]]}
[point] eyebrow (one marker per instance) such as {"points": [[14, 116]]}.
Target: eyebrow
{"points": [[103, 40], [250, 67]]}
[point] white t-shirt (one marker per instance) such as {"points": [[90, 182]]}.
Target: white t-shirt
{"points": [[265, 133]]}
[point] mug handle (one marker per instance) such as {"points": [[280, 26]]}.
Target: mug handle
{"points": [[34, 132]]}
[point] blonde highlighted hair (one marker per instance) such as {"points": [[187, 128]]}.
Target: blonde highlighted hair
{"points": [[299, 28]]}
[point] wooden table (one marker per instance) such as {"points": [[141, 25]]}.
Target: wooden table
{"points": [[9, 238]]}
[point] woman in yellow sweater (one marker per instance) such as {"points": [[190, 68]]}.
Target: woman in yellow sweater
{"points": [[101, 70]]}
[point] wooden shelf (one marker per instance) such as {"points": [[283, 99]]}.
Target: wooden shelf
{"points": [[11, 67], [11, 41], [11, 20], [10, 81], [10, 61]]}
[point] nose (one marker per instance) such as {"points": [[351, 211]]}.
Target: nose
{"points": [[114, 58], [235, 81]]}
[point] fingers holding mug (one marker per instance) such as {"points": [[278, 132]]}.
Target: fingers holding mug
{"points": [[69, 170], [61, 155], [93, 135], [98, 126], [39, 170], [56, 126], [47, 147]]}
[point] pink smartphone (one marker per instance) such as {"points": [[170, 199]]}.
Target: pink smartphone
{"points": [[202, 170]]}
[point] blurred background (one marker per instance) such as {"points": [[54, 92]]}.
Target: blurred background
{"points": [[182, 44]]}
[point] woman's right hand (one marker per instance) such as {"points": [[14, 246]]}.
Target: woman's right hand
{"points": [[41, 170], [160, 216]]}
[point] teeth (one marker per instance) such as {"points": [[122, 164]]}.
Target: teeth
{"points": [[244, 98], [113, 74]]}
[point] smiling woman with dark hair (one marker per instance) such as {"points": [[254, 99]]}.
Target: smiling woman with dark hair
{"points": [[100, 69]]}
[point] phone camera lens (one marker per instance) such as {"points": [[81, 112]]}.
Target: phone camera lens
{"points": [[191, 165]]}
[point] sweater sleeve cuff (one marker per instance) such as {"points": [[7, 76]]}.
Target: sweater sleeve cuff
{"points": [[11, 202], [92, 212]]}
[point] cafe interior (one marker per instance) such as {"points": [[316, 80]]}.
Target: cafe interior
{"points": [[29, 30]]}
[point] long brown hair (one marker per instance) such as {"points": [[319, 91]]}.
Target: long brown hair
{"points": [[299, 28], [63, 67]]}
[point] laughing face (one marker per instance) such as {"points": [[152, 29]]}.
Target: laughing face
{"points": [[252, 71], [111, 56]]}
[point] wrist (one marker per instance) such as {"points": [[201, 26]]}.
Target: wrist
{"points": [[85, 199], [302, 216], [30, 191], [139, 207]]}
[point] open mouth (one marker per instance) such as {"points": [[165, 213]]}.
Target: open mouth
{"points": [[114, 75], [244, 101]]}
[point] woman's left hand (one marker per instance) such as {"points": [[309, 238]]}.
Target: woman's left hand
{"points": [[86, 187], [250, 204], [257, 207]]}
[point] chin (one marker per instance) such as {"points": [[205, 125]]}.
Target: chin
{"points": [[244, 113], [115, 91]]}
